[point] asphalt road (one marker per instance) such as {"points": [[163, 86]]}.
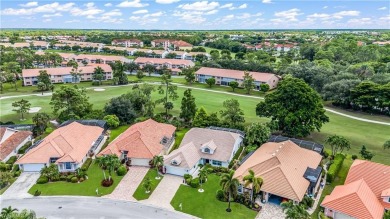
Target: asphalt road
{"points": [[90, 207]]}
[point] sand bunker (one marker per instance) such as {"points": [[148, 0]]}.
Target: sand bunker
{"points": [[99, 89], [34, 109]]}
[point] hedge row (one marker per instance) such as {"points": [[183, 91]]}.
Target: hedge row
{"points": [[335, 167], [23, 149], [238, 152], [86, 164], [11, 160]]}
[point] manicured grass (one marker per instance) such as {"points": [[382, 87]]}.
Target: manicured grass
{"points": [[176, 79], [86, 188], [140, 193], [5, 188], [381, 118], [226, 89], [205, 205], [179, 137], [339, 180], [117, 131], [208, 49]]}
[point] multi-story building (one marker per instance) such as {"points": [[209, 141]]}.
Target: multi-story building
{"points": [[127, 43], [175, 65]]}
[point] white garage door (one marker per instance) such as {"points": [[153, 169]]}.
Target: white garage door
{"points": [[36, 167], [175, 170], [140, 162]]}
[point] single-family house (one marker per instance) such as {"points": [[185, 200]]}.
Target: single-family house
{"points": [[225, 76], [127, 42], [286, 175], [364, 195], [68, 147], [11, 141], [63, 74], [181, 45], [175, 65], [141, 142], [202, 146]]}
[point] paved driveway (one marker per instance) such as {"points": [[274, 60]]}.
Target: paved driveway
{"points": [[126, 188], [271, 211], [165, 191], [19, 189]]}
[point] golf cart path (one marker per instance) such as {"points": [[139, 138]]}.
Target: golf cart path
{"points": [[214, 91]]}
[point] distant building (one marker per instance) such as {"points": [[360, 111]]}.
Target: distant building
{"points": [[63, 74], [171, 44], [225, 76], [175, 65], [127, 43]]}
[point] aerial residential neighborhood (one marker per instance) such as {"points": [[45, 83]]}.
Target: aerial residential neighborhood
{"points": [[172, 109]]}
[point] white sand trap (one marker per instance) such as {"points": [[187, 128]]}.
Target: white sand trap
{"points": [[99, 89], [34, 109]]}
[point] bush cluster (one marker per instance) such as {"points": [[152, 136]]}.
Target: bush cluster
{"points": [[74, 179], [194, 183], [42, 180], [221, 196], [5, 167], [23, 149], [121, 171], [307, 202], [86, 164], [11, 160], [335, 167]]}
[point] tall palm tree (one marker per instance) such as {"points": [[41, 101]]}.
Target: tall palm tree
{"points": [[229, 185], [147, 184], [202, 177], [255, 182], [157, 162], [112, 163], [101, 161], [5, 212]]}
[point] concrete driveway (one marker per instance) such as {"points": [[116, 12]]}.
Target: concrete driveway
{"points": [[126, 188], [165, 192], [19, 189]]}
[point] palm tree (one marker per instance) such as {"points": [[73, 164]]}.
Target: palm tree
{"points": [[147, 184], [112, 163], [229, 185], [6, 212], [98, 74], [132, 66], [101, 161], [295, 211], [157, 162], [202, 177], [256, 183]]}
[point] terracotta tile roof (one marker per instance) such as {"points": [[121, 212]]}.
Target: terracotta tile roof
{"points": [[181, 43], [164, 61], [102, 57], [282, 168], [141, 140], [69, 143], [65, 70], [126, 40], [10, 139], [237, 74], [355, 199], [220, 141]]}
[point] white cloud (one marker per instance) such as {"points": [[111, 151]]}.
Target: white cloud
{"points": [[47, 20], [341, 14], [322, 15], [115, 12], [147, 18], [200, 6], [72, 21], [211, 12], [89, 5], [108, 5], [226, 18], [267, 1], [48, 8], [29, 4], [52, 15], [248, 15], [243, 6], [157, 14], [140, 11], [386, 18], [325, 7], [382, 8], [360, 21], [166, 1], [229, 5], [132, 4], [289, 15], [191, 17]]}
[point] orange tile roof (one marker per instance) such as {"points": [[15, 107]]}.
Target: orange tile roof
{"points": [[282, 168], [355, 199], [141, 140], [219, 72], [181, 43], [69, 143], [65, 70], [11, 140]]}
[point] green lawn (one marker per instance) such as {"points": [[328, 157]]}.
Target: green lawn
{"points": [[339, 180], [205, 205], [86, 188], [140, 193], [179, 137], [5, 188], [179, 79]]}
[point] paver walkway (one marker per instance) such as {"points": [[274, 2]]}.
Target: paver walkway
{"points": [[126, 188], [19, 189], [271, 211], [164, 192]]}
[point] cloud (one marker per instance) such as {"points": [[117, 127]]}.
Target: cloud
{"points": [[267, 1], [243, 6], [289, 15], [113, 13], [108, 5], [325, 7], [166, 1], [191, 17], [52, 15], [140, 11], [157, 14], [89, 5], [29, 4], [341, 14], [72, 21], [211, 12], [47, 8], [321, 15], [359, 21], [229, 5], [89, 11], [200, 6], [46, 20], [248, 15], [131, 4], [382, 8]]}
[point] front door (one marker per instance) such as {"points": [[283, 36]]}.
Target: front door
{"points": [[207, 161]]}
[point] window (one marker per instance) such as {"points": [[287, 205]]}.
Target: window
{"points": [[217, 163], [28, 83], [174, 162], [206, 150], [68, 166]]}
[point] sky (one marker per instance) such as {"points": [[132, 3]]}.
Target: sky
{"points": [[196, 14]]}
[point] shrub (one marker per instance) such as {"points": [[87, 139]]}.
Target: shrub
{"points": [[16, 173], [307, 202], [221, 196], [95, 83], [42, 180], [15, 168], [11, 160], [334, 167], [194, 183], [23, 149], [74, 179], [37, 193], [63, 178], [5, 167], [238, 152], [69, 178], [354, 157], [186, 176], [326, 154], [121, 171], [107, 182], [86, 164]]}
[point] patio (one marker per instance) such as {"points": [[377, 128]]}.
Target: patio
{"points": [[271, 211]]}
